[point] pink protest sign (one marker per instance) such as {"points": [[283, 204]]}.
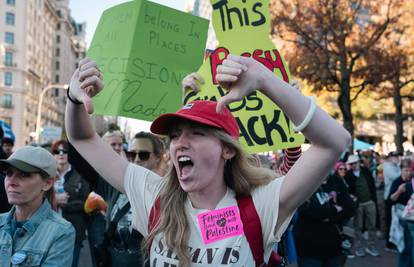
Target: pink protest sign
{"points": [[220, 224]]}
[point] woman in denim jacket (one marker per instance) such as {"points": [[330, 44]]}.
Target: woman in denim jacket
{"points": [[32, 234]]}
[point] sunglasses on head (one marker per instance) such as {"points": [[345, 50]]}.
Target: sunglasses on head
{"points": [[142, 155], [59, 151]]}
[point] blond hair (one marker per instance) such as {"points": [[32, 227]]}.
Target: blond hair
{"points": [[110, 134], [239, 174]]}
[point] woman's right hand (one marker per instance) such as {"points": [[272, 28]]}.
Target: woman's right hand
{"points": [[401, 189], [86, 82]]}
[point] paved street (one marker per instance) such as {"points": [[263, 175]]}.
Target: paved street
{"points": [[386, 259], [85, 257]]}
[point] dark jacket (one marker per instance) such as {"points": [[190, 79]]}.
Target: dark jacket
{"points": [[317, 230], [78, 190], [365, 173], [4, 202], [97, 184], [404, 197], [124, 249]]}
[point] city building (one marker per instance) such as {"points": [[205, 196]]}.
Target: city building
{"points": [[40, 45], [202, 8]]}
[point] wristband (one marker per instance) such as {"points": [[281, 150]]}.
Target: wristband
{"points": [[309, 115], [76, 102]]}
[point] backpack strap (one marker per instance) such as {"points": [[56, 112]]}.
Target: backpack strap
{"points": [[252, 227], [154, 215]]}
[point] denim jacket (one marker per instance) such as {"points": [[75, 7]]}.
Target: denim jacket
{"points": [[46, 239]]}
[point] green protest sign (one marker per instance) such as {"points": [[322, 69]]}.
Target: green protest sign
{"points": [[144, 50], [242, 28]]}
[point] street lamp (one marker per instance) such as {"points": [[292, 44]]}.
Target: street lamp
{"points": [[39, 106]]}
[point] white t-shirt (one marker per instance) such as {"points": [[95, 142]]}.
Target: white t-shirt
{"points": [[142, 188]]}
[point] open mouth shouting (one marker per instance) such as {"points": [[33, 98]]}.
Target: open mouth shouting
{"points": [[185, 165]]}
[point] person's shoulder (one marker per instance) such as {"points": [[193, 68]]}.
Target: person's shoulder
{"points": [[137, 171], [365, 169], [3, 218], [350, 175], [60, 222], [397, 181], [273, 185]]}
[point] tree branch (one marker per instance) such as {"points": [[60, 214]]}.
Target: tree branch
{"points": [[364, 84]]}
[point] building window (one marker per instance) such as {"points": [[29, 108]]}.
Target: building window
{"points": [[57, 52], [8, 78], [57, 65], [59, 13], [57, 79], [11, 2], [9, 38], [7, 101], [9, 18], [58, 39], [8, 59], [58, 26]]}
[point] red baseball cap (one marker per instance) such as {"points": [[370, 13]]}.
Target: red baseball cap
{"points": [[200, 111]]}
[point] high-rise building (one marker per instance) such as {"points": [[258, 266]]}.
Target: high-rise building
{"points": [[69, 49], [37, 49], [202, 8]]}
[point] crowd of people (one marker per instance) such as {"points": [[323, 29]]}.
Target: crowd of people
{"points": [[152, 196]]}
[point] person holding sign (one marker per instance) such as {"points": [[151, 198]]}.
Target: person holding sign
{"points": [[199, 221]]}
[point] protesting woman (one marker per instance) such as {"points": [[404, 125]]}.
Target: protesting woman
{"points": [[400, 193], [71, 192], [32, 234], [199, 221], [318, 228]]}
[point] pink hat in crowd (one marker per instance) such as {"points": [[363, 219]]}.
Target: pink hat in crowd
{"points": [[199, 111], [339, 164]]}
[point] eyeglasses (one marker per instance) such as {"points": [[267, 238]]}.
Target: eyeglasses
{"points": [[142, 155], [342, 169], [59, 151]]}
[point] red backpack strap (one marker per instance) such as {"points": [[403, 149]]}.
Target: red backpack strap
{"points": [[252, 227], [154, 215]]}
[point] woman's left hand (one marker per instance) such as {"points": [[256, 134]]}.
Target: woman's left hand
{"points": [[240, 76]]}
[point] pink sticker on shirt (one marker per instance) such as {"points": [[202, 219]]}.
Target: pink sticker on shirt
{"points": [[220, 224]]}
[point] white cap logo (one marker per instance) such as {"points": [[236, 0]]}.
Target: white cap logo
{"points": [[188, 106]]}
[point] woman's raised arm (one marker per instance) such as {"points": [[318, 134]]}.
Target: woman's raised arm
{"points": [[86, 82], [241, 76]]}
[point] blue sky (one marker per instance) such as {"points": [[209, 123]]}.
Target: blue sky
{"points": [[90, 11]]}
